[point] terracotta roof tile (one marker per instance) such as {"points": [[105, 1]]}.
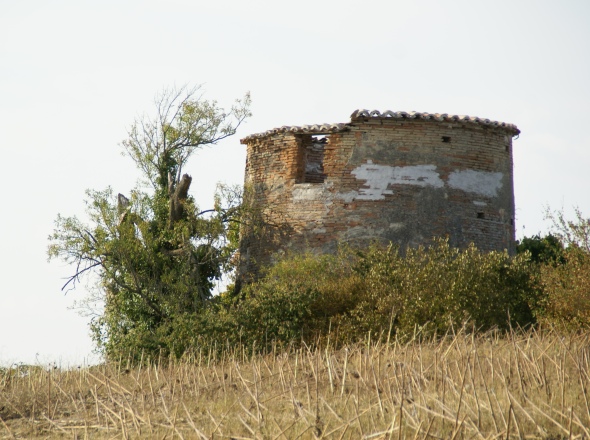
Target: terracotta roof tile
{"points": [[388, 114], [363, 113], [309, 129]]}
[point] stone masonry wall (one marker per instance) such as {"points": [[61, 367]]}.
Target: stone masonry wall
{"points": [[391, 179]]}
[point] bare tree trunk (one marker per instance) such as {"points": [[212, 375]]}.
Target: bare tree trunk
{"points": [[177, 199]]}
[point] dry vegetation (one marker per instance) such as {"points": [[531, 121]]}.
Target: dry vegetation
{"points": [[524, 385]]}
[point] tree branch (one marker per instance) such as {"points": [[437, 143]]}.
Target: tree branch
{"points": [[76, 276]]}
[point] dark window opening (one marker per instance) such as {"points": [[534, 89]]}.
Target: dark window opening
{"points": [[511, 222], [446, 139], [507, 148], [480, 215], [313, 149]]}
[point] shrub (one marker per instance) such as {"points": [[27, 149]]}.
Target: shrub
{"points": [[297, 299], [566, 289], [565, 277], [344, 297], [437, 286], [379, 291]]}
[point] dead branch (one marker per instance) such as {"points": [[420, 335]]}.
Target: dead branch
{"points": [[178, 198]]}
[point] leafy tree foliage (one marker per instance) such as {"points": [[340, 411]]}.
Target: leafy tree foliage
{"points": [[566, 282], [155, 254], [547, 249]]}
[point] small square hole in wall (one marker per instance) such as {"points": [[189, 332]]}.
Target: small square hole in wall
{"points": [[446, 139], [480, 215]]}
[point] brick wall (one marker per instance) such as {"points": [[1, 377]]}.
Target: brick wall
{"points": [[402, 180]]}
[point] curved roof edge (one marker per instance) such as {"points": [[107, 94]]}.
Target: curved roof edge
{"points": [[298, 129], [388, 114], [376, 114]]}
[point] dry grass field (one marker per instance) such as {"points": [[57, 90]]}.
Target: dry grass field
{"points": [[525, 385]]}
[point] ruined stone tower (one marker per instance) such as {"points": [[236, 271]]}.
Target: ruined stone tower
{"points": [[386, 176]]}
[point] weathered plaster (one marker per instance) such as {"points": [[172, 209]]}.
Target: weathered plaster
{"points": [[402, 179], [478, 182], [308, 191], [379, 177]]}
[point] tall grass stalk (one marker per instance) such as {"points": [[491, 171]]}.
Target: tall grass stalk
{"points": [[521, 384]]}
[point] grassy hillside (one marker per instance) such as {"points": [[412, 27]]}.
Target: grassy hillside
{"points": [[522, 385]]}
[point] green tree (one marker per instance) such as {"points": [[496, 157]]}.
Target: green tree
{"points": [[155, 255], [566, 282], [547, 249]]}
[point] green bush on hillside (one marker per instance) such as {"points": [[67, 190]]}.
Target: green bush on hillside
{"points": [[566, 291], [381, 292], [298, 299], [562, 268]]}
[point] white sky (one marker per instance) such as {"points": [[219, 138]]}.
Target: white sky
{"points": [[74, 74]]}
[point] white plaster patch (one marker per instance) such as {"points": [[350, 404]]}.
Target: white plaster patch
{"points": [[484, 183], [379, 177], [347, 196], [478, 203], [308, 191]]}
